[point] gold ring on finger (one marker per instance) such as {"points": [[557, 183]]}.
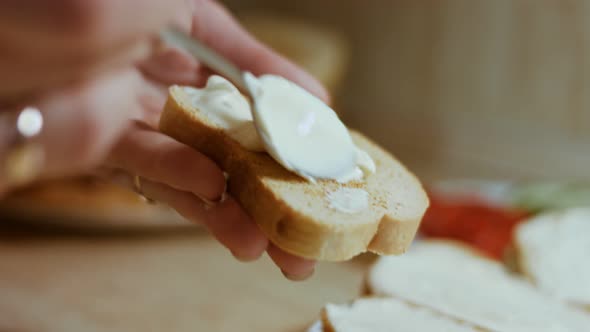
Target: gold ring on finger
{"points": [[137, 187], [23, 155]]}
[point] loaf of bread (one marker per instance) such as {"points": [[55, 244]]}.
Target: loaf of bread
{"points": [[294, 213], [553, 251]]}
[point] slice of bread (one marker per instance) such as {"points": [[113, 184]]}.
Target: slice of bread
{"points": [[387, 315], [295, 214], [553, 251], [460, 283]]}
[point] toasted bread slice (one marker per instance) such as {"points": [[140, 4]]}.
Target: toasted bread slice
{"points": [[294, 213], [460, 283], [386, 315], [553, 251]]}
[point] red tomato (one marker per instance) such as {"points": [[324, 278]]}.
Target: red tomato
{"points": [[471, 221]]}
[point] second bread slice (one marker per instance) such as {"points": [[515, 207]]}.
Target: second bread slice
{"points": [[457, 281], [389, 314]]}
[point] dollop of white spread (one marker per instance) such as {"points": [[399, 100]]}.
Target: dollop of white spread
{"points": [[300, 131], [348, 200], [225, 107], [306, 135]]}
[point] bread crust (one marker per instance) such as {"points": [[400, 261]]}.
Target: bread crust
{"points": [[292, 212], [326, 324]]}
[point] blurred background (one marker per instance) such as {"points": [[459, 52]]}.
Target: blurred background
{"points": [[456, 89], [460, 88]]}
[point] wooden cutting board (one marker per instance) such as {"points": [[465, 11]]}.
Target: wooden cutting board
{"points": [[154, 280]]}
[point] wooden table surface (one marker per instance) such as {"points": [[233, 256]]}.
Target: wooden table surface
{"points": [[153, 280]]}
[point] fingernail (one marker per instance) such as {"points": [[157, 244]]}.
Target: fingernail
{"points": [[295, 277], [209, 204], [244, 258], [147, 200]]}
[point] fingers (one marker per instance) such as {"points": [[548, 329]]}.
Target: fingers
{"points": [[23, 78], [189, 175], [293, 267], [230, 224], [152, 155], [232, 227], [64, 27], [213, 25], [226, 221], [45, 43], [171, 66], [79, 126], [82, 123]]}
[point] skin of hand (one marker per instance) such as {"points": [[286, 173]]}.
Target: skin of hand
{"points": [[100, 81]]}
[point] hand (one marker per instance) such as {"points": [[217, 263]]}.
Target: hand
{"points": [[108, 93], [73, 59], [172, 170]]}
